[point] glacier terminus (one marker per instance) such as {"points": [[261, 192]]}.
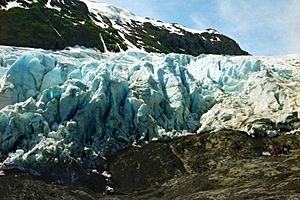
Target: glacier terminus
{"points": [[81, 104]]}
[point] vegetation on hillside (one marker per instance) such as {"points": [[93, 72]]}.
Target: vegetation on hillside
{"points": [[42, 27]]}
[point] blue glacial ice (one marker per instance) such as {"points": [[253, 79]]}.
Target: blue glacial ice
{"points": [[80, 104]]}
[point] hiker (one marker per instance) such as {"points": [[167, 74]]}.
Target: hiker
{"points": [[276, 151], [285, 150], [281, 150]]}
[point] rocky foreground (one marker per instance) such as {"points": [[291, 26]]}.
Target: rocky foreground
{"points": [[222, 165]]}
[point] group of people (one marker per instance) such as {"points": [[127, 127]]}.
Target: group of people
{"points": [[281, 150]]}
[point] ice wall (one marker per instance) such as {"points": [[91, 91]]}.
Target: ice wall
{"points": [[79, 104]]}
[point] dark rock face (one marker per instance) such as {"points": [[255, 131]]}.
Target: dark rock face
{"points": [[137, 170], [71, 23], [19, 185], [222, 165], [186, 42]]}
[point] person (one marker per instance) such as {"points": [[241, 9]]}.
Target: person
{"points": [[281, 150], [1, 170], [285, 149], [276, 151]]}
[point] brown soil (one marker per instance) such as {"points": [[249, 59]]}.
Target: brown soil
{"points": [[223, 165]]}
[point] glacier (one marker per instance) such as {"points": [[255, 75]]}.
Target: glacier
{"points": [[80, 104]]}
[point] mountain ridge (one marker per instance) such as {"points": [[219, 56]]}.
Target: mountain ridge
{"points": [[89, 23]]}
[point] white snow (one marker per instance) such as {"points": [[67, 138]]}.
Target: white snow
{"points": [[48, 5], [213, 31], [121, 18], [12, 4], [57, 32], [77, 99], [103, 43]]}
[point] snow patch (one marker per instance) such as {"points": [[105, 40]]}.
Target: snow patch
{"points": [[48, 5], [12, 4], [121, 19], [103, 43]]}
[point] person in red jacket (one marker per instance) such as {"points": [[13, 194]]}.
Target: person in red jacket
{"points": [[276, 151]]}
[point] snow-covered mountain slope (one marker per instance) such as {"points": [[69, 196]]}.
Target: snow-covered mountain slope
{"points": [[79, 104], [137, 30], [63, 23]]}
